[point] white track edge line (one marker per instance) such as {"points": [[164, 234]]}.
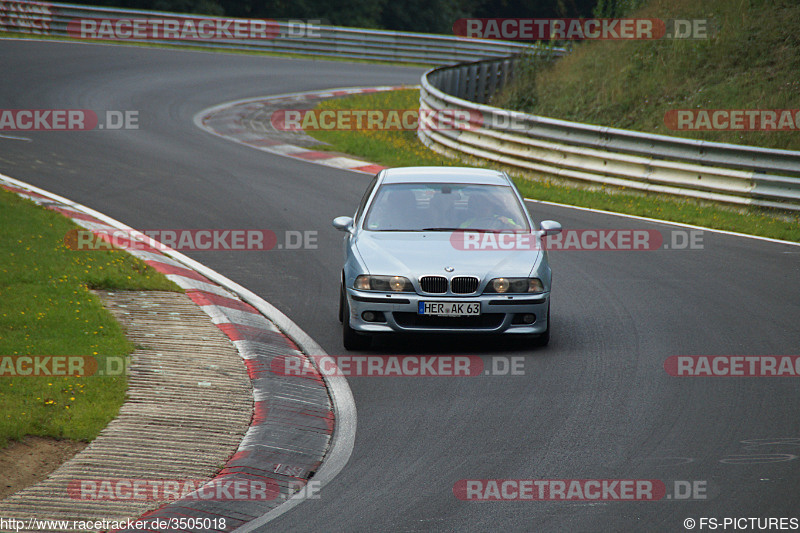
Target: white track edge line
{"points": [[660, 221]]}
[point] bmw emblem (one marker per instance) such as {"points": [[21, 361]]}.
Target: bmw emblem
{"points": [[448, 269]]}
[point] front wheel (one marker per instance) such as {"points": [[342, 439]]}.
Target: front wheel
{"points": [[351, 339]]}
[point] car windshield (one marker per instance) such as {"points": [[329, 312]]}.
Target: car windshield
{"points": [[445, 207]]}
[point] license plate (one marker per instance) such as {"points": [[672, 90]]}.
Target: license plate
{"points": [[450, 308]]}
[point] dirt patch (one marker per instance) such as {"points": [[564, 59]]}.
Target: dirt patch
{"points": [[32, 460]]}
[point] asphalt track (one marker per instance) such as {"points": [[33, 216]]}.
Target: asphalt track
{"points": [[595, 404]]}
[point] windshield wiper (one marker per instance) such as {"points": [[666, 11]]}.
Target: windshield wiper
{"points": [[441, 229]]}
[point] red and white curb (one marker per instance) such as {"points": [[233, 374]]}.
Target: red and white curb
{"points": [[226, 120], [301, 426]]}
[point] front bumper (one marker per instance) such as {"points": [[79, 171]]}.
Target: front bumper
{"points": [[397, 313]]}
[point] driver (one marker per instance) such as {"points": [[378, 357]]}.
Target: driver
{"points": [[484, 214]]}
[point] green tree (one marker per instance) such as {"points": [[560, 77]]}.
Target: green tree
{"points": [[616, 8]]}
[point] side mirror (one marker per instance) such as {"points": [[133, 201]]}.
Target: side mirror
{"points": [[343, 223], [550, 227]]}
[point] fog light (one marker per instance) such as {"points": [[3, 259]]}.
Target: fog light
{"points": [[373, 316], [525, 318]]}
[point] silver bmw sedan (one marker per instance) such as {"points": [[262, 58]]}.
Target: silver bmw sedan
{"points": [[443, 250]]}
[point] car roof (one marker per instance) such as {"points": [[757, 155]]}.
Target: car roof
{"points": [[444, 175]]}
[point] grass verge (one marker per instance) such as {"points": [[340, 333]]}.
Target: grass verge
{"points": [[402, 148], [47, 309], [750, 61]]}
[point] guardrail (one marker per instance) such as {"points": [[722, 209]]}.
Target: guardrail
{"points": [[557, 148], [322, 41]]}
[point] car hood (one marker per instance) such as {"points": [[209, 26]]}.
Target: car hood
{"points": [[413, 254]]}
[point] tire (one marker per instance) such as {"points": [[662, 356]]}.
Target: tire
{"points": [[341, 304], [351, 339], [543, 339]]}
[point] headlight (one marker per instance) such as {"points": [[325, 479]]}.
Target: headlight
{"points": [[514, 285], [366, 282], [501, 285]]}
